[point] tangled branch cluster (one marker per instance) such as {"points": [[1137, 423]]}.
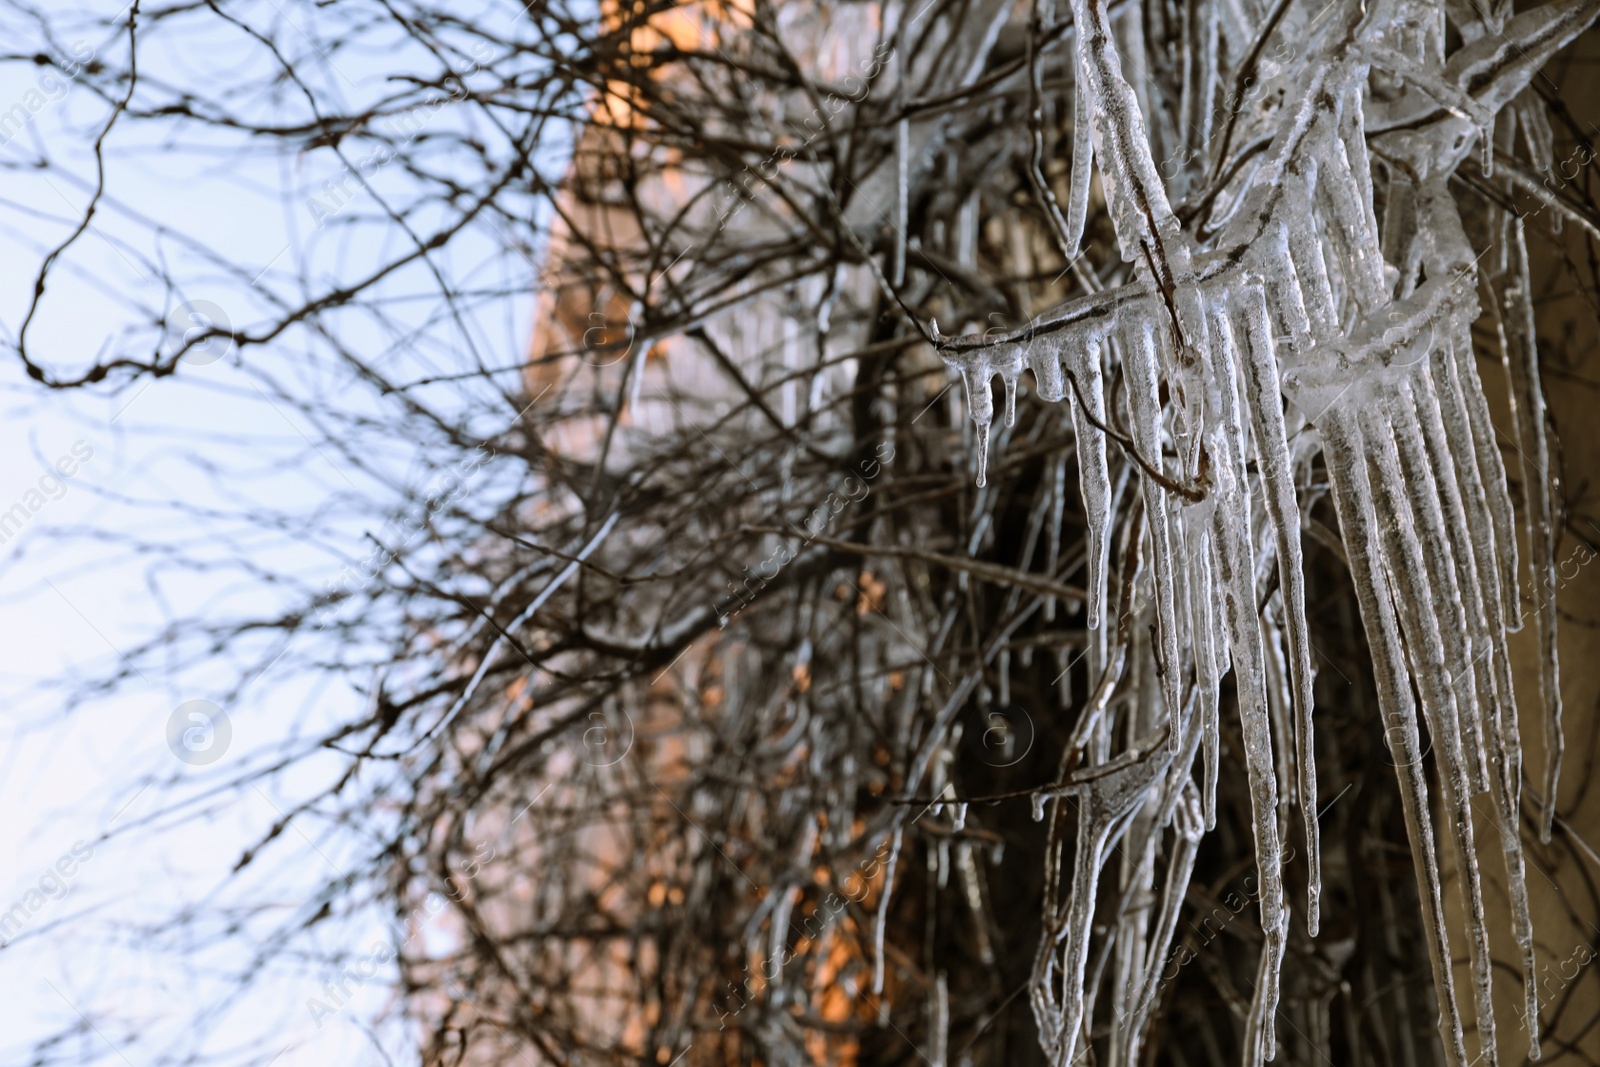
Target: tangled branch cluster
{"points": [[750, 704]]}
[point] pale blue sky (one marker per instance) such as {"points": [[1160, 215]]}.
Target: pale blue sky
{"points": [[215, 438]]}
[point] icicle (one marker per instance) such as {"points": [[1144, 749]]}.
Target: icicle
{"points": [[881, 927], [1536, 132], [1358, 521], [1491, 470], [1357, 164], [1277, 474], [1520, 354], [1141, 365], [1045, 361], [1094, 482], [1239, 608], [976, 370], [971, 883], [1403, 549], [1005, 677], [1427, 391], [1038, 807], [1501, 727], [1451, 265], [1203, 625], [1310, 270], [1210, 40], [1275, 265], [1347, 222], [1429, 528], [975, 379], [1058, 505], [1261, 1040], [1211, 721], [1236, 583], [1181, 774], [981, 431], [939, 1022], [902, 168], [1082, 158]]}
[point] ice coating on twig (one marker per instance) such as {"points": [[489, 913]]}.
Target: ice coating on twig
{"points": [[1105, 796]]}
